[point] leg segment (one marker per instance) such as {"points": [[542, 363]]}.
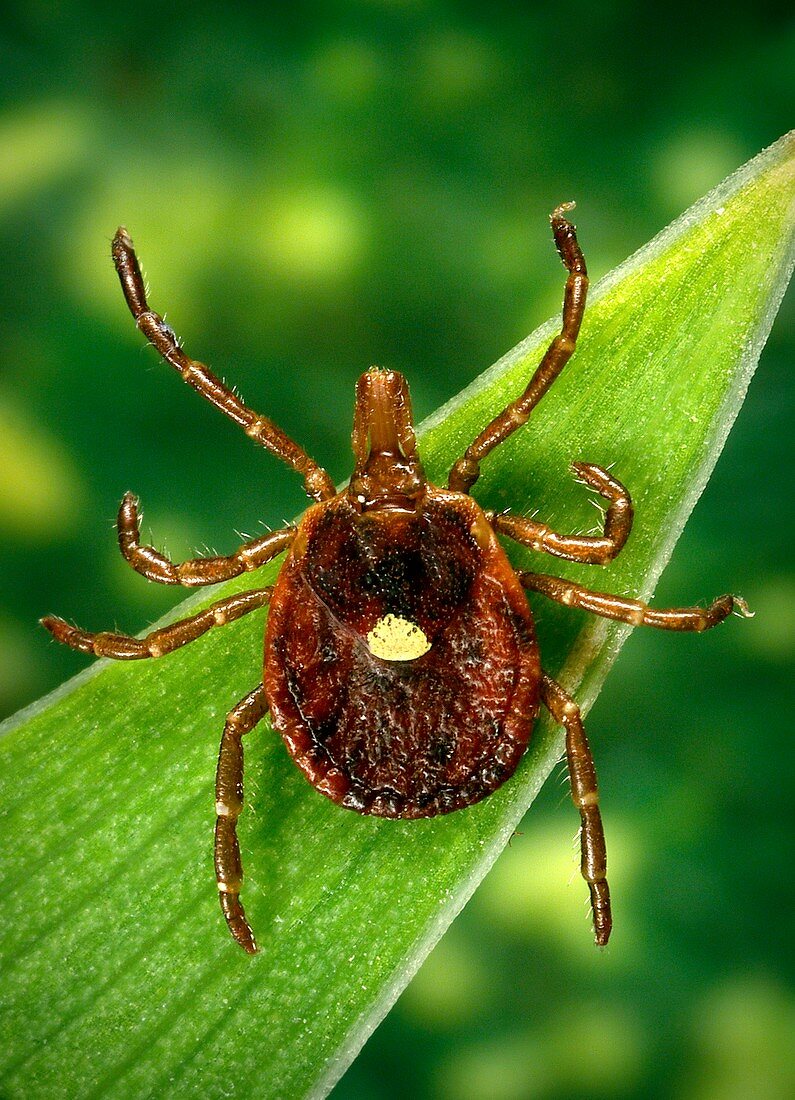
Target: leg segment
{"points": [[593, 551], [317, 482], [197, 571], [585, 794], [465, 471], [122, 647], [228, 806], [633, 611]]}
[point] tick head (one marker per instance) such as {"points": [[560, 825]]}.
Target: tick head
{"points": [[387, 476]]}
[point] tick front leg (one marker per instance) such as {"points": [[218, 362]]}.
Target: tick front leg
{"points": [[634, 612], [318, 484], [196, 572], [466, 470], [228, 806], [585, 794], [123, 647], [583, 548]]}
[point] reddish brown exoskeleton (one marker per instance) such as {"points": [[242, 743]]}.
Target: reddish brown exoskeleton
{"points": [[401, 664]]}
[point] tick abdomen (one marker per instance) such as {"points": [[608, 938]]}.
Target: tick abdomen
{"points": [[399, 737]]}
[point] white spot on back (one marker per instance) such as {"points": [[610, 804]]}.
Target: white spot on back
{"points": [[396, 639]]}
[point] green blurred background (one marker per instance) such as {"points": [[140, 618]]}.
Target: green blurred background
{"points": [[321, 186]]}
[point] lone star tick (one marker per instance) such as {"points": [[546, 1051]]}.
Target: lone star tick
{"points": [[401, 666]]}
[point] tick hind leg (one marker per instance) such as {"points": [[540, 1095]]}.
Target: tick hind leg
{"points": [[466, 470], [585, 794], [228, 805]]}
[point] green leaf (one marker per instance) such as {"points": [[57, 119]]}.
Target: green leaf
{"points": [[118, 974]]}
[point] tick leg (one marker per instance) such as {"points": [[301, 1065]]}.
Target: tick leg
{"points": [[197, 571], [317, 482], [583, 548], [585, 795], [466, 470], [633, 611], [122, 647], [228, 806]]}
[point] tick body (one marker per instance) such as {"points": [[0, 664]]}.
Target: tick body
{"points": [[401, 665]]}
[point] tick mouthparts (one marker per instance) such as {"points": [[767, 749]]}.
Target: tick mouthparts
{"points": [[383, 420], [384, 436], [387, 474]]}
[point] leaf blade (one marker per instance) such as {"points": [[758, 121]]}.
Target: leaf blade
{"points": [[104, 988]]}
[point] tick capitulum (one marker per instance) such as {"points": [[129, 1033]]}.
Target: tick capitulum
{"points": [[401, 665]]}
